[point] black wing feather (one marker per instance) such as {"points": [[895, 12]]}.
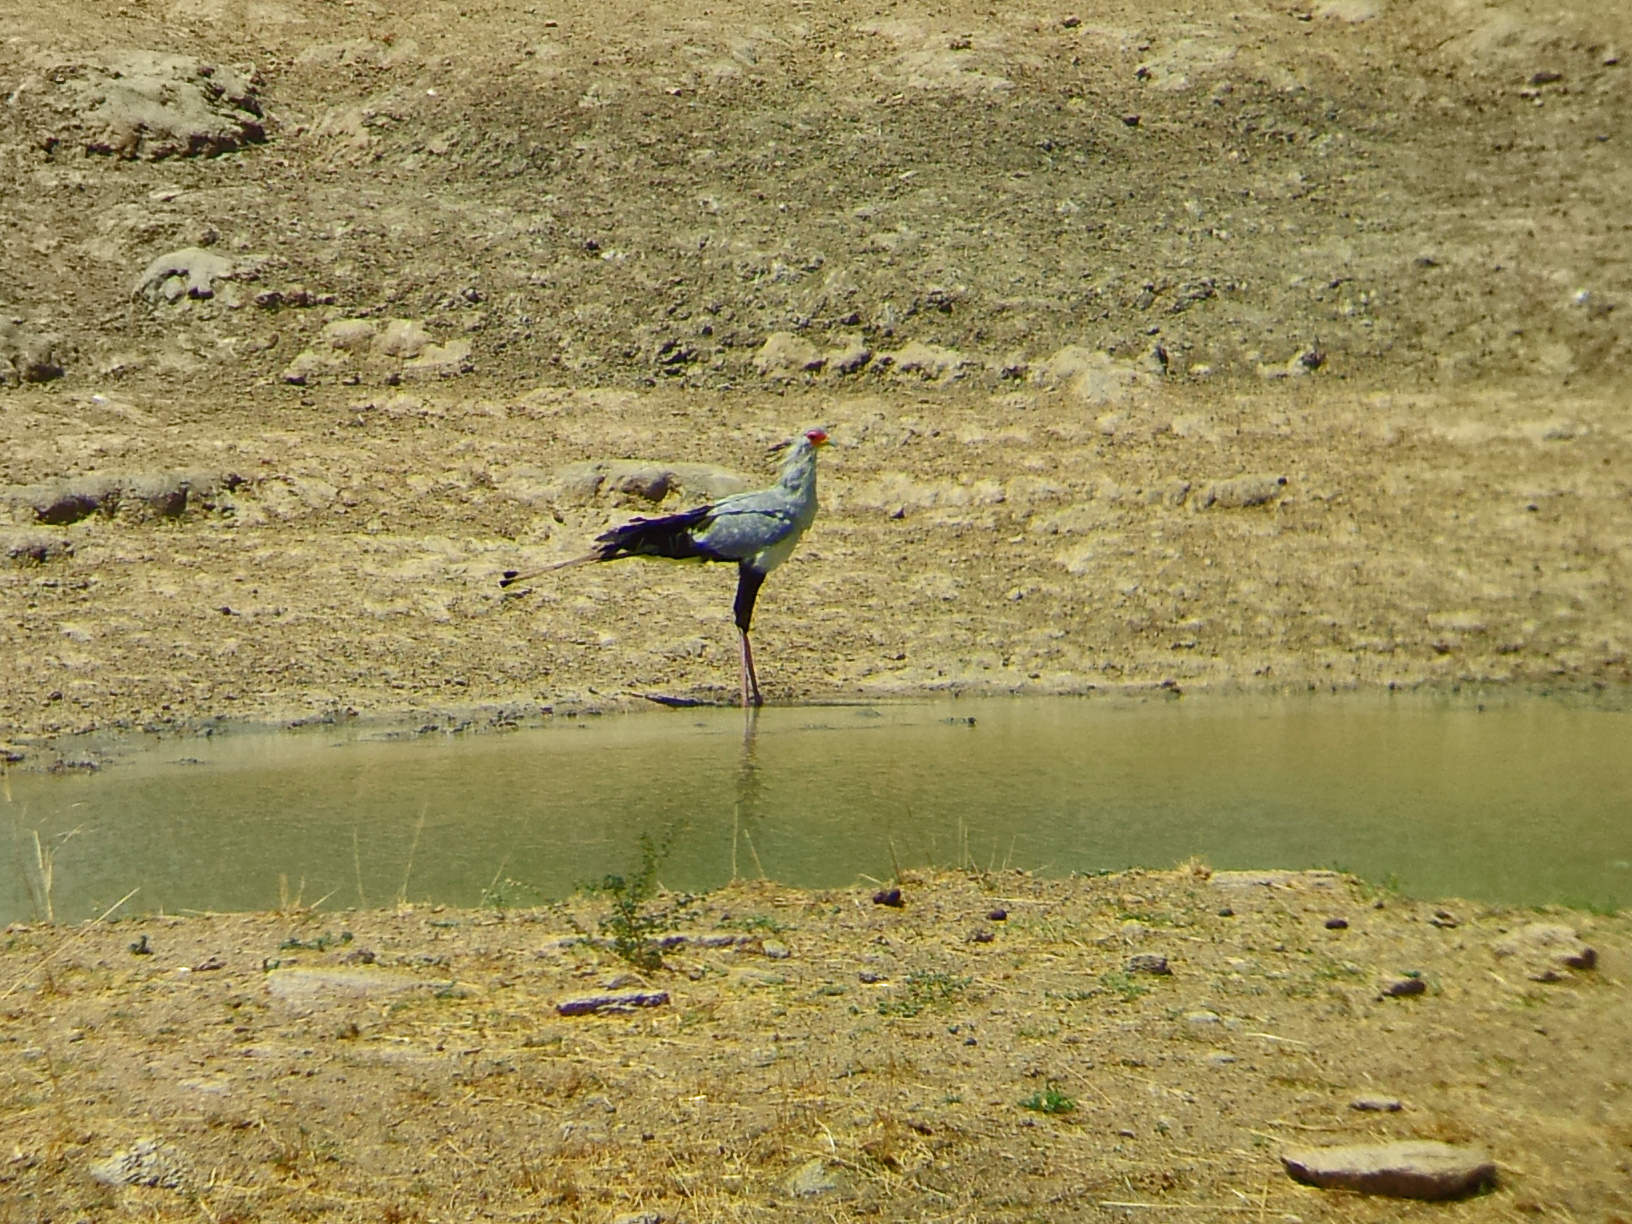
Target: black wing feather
{"points": [[672, 536]]}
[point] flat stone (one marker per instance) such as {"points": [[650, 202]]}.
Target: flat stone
{"points": [[1413, 1168], [620, 1001], [1375, 1104]]}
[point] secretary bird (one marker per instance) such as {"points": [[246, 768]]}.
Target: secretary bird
{"points": [[757, 531]]}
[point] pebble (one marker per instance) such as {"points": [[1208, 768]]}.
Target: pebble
{"points": [[1415, 1169], [1404, 987], [1337, 924], [888, 896]]}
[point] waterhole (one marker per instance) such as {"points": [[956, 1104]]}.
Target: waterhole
{"points": [[1517, 800]]}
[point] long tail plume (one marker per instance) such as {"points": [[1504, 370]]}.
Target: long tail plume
{"points": [[669, 536], [511, 577]]}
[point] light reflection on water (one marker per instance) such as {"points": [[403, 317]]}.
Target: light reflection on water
{"points": [[1524, 801]]}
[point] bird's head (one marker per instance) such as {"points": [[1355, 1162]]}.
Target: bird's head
{"points": [[814, 438]]}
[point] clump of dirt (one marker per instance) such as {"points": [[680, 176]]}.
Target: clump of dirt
{"points": [[997, 1046]]}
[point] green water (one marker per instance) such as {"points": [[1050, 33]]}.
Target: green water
{"points": [[1524, 800]]}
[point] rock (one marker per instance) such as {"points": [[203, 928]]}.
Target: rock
{"points": [[1545, 949], [440, 360], [349, 335], [1403, 987], [1337, 924], [34, 547], [190, 272], [161, 493], [405, 338], [308, 365], [775, 949], [813, 1179], [1092, 376], [1296, 366], [648, 482], [1239, 492], [26, 358], [928, 361], [888, 896], [1415, 1169], [148, 105], [785, 357], [1351, 11], [72, 500], [1375, 1104], [147, 1162], [1148, 962], [851, 358], [583, 483], [620, 1001]]}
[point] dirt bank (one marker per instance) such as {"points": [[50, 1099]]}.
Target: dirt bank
{"points": [[1268, 347]]}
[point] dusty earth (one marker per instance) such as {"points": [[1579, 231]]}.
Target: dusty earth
{"points": [[1231, 346], [989, 1050]]}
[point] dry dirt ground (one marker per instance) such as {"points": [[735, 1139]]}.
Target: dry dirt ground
{"points": [[817, 1056], [1226, 346]]}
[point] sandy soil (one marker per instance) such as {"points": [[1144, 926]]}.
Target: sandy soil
{"points": [[816, 1056], [1220, 347]]}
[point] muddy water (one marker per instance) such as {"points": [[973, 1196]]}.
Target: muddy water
{"points": [[1524, 801]]}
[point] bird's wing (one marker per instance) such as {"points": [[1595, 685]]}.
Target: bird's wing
{"points": [[745, 524]]}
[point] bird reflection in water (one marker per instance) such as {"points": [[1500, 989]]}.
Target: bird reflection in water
{"points": [[750, 795]]}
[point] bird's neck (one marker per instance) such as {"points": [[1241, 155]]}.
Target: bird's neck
{"points": [[799, 471]]}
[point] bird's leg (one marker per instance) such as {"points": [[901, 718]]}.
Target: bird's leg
{"points": [[750, 682], [748, 584]]}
